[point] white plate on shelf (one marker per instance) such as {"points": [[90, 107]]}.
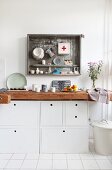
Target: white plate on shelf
{"points": [[58, 61], [17, 81], [38, 53]]}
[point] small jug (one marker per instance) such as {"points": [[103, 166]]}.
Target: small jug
{"points": [[37, 71]]}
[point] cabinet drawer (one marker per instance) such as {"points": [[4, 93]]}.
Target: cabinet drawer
{"points": [[76, 113], [60, 140], [51, 113], [25, 113], [19, 140]]}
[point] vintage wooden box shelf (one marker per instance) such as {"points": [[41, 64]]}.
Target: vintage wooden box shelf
{"points": [[54, 54]]}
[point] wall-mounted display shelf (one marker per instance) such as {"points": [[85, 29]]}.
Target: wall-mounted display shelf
{"points": [[50, 54]]}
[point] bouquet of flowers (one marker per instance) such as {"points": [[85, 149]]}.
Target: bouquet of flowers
{"points": [[94, 70]]}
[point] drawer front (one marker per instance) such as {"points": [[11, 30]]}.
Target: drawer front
{"points": [[25, 113], [59, 140], [76, 113], [51, 113], [19, 140]]}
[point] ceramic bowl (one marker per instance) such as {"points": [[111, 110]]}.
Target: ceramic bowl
{"points": [[38, 53]]}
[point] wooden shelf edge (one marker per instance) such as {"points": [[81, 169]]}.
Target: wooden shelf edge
{"points": [[5, 98]]}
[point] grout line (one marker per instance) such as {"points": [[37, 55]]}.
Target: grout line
{"points": [[23, 160], [8, 161], [97, 163], [66, 161], [52, 160], [82, 163], [37, 162]]}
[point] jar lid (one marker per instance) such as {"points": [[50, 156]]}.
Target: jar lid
{"points": [[103, 124]]}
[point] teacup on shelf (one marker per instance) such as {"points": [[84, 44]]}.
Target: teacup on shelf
{"points": [[32, 71]]}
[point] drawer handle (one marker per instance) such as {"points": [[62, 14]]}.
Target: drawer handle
{"points": [[75, 116], [76, 104], [51, 104], [14, 104], [63, 130], [0, 98], [14, 130]]}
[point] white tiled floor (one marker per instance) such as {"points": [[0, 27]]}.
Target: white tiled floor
{"points": [[23, 161], [90, 161]]}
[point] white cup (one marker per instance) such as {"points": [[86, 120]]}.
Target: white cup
{"points": [[41, 72], [53, 89], [43, 62], [46, 90], [37, 89], [32, 71], [34, 86]]}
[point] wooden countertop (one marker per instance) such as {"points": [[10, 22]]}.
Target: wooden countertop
{"points": [[30, 95]]}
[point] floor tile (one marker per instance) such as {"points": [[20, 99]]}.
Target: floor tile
{"points": [[18, 156], [3, 163], [5, 156], [59, 156], [75, 164], [109, 157], [97, 156], [14, 164], [45, 156], [59, 164], [86, 156], [32, 156], [29, 164], [44, 164], [11, 169], [104, 164], [90, 164], [73, 156]]}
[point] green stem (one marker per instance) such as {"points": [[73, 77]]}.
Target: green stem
{"points": [[93, 83]]}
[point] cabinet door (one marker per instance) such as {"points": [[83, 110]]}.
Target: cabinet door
{"points": [[59, 140], [25, 113], [19, 140], [51, 113], [76, 113]]}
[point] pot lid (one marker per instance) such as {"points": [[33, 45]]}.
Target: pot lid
{"points": [[103, 124]]}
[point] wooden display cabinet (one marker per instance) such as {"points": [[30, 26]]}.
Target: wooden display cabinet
{"points": [[54, 54]]}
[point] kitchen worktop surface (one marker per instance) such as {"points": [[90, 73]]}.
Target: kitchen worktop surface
{"points": [[31, 95]]}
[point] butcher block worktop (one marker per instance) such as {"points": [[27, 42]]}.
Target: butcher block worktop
{"points": [[30, 95]]}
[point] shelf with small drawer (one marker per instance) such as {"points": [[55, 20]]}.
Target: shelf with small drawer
{"points": [[60, 52]]}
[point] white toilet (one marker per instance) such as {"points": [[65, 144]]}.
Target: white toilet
{"points": [[103, 137]]}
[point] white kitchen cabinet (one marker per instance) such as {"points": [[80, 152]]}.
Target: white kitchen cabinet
{"points": [[20, 113], [64, 140], [76, 113], [51, 113], [19, 140]]}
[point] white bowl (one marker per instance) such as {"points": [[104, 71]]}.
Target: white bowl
{"points": [[38, 53]]}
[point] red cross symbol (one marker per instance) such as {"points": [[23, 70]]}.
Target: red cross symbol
{"points": [[64, 48]]}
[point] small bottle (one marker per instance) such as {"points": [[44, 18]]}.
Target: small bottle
{"points": [[49, 71], [37, 71]]}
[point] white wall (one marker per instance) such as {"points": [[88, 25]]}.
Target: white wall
{"points": [[20, 17]]}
